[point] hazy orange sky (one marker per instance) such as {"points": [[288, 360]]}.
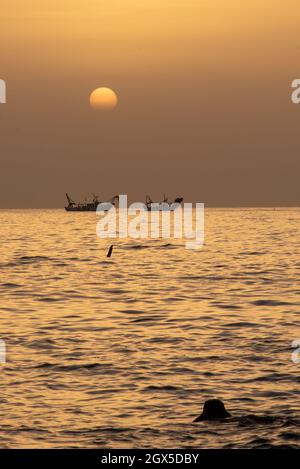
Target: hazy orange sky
{"points": [[204, 100]]}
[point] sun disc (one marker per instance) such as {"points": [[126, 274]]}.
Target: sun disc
{"points": [[103, 99]]}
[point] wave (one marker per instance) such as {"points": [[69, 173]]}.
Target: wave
{"points": [[271, 303]]}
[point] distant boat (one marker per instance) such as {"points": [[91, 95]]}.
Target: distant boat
{"points": [[88, 206], [163, 206]]}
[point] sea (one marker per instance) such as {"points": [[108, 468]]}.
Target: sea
{"points": [[122, 352]]}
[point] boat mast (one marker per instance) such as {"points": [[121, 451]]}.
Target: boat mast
{"points": [[71, 202]]}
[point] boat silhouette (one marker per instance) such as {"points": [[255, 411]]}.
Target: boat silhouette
{"points": [[165, 205], [89, 206]]}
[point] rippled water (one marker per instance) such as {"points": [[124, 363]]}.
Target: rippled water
{"points": [[122, 352]]}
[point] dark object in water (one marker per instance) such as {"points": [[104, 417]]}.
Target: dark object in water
{"points": [[110, 251], [90, 206], [213, 409], [163, 206]]}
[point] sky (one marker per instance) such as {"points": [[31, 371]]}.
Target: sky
{"points": [[204, 107]]}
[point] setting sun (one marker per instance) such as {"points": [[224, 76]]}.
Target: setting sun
{"points": [[104, 99]]}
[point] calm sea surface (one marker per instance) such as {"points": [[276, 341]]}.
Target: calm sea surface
{"points": [[123, 352]]}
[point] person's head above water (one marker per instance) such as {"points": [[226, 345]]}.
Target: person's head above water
{"points": [[213, 409]]}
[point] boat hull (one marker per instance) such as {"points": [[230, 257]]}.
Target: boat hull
{"points": [[162, 207], [105, 207], [80, 209]]}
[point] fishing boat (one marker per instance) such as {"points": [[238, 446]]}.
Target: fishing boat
{"points": [[163, 206], [89, 206]]}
